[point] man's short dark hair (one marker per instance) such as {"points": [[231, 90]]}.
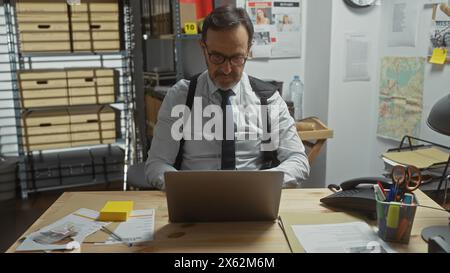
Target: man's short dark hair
{"points": [[228, 17]]}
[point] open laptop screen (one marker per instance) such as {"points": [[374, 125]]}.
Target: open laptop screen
{"points": [[204, 196]]}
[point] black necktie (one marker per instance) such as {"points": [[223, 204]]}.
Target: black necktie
{"points": [[228, 148]]}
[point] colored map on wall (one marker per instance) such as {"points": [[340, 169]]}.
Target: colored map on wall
{"points": [[401, 97]]}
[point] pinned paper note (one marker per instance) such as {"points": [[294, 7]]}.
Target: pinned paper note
{"points": [[439, 56]]}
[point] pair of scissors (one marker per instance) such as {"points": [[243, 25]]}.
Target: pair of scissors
{"points": [[406, 179]]}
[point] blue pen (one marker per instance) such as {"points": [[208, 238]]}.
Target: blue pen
{"points": [[392, 193]]}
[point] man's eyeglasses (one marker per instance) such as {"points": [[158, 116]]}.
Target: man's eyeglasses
{"points": [[217, 58]]}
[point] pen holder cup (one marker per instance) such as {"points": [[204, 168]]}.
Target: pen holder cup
{"points": [[395, 220]]}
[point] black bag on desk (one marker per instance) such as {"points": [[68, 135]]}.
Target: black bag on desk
{"points": [[108, 163], [8, 177]]}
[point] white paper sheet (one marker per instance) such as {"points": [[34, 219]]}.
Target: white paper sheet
{"points": [[83, 220], [354, 237], [138, 228], [403, 24], [357, 57]]}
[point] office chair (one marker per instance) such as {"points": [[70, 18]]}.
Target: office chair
{"points": [[136, 177]]}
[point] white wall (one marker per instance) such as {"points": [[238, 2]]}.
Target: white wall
{"points": [[353, 106], [317, 72]]}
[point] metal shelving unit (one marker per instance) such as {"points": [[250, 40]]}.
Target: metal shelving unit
{"points": [[128, 101], [177, 37]]}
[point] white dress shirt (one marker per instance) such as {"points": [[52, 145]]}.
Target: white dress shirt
{"points": [[206, 154]]}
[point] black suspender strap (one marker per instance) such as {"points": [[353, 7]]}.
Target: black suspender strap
{"points": [[189, 103], [264, 91]]}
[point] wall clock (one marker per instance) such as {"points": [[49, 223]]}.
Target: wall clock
{"points": [[360, 3]]}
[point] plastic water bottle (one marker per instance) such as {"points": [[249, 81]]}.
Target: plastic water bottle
{"points": [[296, 92]]}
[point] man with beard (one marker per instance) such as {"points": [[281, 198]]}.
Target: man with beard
{"points": [[226, 41]]}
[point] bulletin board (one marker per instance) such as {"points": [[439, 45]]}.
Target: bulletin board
{"points": [[278, 28]]}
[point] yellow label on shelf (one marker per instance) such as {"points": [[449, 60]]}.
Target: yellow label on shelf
{"points": [[190, 28], [439, 56]]}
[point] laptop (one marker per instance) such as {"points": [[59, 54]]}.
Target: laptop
{"points": [[223, 196]]}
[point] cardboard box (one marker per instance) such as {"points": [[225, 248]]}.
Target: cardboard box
{"points": [[43, 88], [94, 24], [92, 86], [45, 171], [40, 22], [60, 169], [40, 6], [188, 13], [46, 129], [8, 177], [91, 125], [82, 87], [78, 86], [69, 127], [96, 6], [108, 163]]}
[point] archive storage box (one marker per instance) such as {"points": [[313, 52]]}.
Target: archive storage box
{"points": [[92, 86], [95, 26], [108, 163], [43, 88], [80, 86], [92, 26], [8, 177], [56, 169], [90, 125], [76, 167], [45, 171], [69, 168], [46, 129], [41, 21]]}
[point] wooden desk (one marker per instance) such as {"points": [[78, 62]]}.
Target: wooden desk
{"points": [[218, 237]]}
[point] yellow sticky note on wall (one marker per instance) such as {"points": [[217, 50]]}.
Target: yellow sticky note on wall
{"points": [[116, 211], [439, 56]]}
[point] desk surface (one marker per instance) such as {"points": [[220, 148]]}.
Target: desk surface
{"points": [[219, 237]]}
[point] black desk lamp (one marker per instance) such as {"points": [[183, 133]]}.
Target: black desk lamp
{"points": [[438, 237]]}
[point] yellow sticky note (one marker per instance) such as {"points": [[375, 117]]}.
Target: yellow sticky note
{"points": [[116, 211], [439, 56], [190, 28]]}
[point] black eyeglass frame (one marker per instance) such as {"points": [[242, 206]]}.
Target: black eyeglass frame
{"points": [[225, 58]]}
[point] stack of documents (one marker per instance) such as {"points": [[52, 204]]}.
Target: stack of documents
{"points": [[82, 226], [330, 233], [424, 159], [421, 158]]}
